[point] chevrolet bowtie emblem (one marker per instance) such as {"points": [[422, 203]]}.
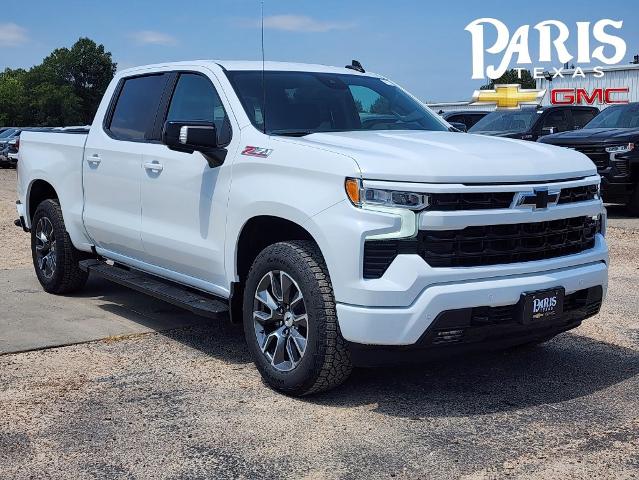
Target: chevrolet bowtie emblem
{"points": [[508, 96]]}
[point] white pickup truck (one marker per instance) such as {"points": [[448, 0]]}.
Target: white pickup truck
{"points": [[339, 218]]}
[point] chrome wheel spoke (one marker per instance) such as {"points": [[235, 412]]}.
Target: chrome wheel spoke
{"points": [[301, 320], [279, 354], [299, 341], [266, 299], [262, 317]]}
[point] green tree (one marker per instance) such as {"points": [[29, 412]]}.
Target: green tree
{"points": [[511, 76], [65, 89], [86, 67], [12, 97]]}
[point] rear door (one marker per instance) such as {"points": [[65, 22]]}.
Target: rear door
{"points": [[184, 200], [112, 166]]}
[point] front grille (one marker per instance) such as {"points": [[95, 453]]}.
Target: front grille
{"points": [[596, 153], [485, 245], [501, 244], [446, 202], [578, 194]]}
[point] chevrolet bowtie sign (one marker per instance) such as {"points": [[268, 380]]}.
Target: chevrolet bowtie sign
{"points": [[509, 96]]}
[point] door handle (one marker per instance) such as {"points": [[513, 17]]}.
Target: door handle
{"points": [[154, 166], [94, 160]]}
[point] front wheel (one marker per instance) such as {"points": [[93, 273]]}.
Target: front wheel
{"points": [[55, 259], [290, 321]]}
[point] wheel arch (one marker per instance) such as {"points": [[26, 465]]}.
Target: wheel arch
{"points": [[257, 233], [39, 190]]}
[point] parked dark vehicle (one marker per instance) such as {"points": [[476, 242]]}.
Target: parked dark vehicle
{"points": [[531, 123], [611, 140], [466, 117], [5, 140]]}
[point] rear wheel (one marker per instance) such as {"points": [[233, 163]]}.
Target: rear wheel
{"points": [[290, 321], [54, 257]]}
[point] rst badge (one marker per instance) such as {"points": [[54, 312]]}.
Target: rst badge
{"points": [[257, 151]]}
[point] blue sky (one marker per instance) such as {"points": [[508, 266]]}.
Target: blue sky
{"points": [[422, 45]]}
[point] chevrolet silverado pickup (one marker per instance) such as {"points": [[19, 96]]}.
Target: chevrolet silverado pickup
{"points": [[327, 209], [611, 141]]}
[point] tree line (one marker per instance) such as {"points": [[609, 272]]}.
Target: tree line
{"points": [[65, 89]]}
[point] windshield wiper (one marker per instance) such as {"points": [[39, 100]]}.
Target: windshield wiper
{"points": [[291, 133]]}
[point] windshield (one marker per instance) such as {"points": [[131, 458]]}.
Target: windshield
{"points": [[506, 121], [299, 103], [622, 116], [7, 133]]}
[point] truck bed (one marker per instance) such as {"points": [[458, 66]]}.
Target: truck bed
{"points": [[55, 158]]}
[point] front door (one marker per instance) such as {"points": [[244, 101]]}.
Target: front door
{"points": [[112, 166], [184, 200]]}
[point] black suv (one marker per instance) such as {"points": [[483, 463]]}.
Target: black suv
{"points": [[531, 123], [611, 141], [466, 117]]}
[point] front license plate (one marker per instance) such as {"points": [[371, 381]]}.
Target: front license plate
{"points": [[543, 305]]}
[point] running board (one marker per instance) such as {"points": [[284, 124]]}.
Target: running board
{"points": [[198, 303]]}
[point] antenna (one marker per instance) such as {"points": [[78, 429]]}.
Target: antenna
{"points": [[263, 79]]}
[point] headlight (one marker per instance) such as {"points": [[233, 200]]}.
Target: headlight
{"points": [[621, 148], [359, 196]]}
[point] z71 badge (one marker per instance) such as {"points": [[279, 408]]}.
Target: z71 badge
{"points": [[257, 151]]}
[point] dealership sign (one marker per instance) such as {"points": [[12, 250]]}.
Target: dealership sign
{"points": [[580, 96], [595, 42], [508, 96]]}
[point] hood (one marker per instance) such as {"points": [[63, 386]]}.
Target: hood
{"points": [[593, 135], [501, 133], [448, 157]]}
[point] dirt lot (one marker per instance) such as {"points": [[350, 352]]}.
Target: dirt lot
{"points": [[187, 403]]}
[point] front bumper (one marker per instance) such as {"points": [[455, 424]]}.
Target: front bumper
{"points": [[617, 190], [407, 325]]}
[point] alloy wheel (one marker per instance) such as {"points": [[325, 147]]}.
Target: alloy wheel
{"points": [[280, 320], [45, 246]]}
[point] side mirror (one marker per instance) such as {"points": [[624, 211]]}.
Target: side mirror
{"points": [[459, 126], [192, 137], [547, 131]]}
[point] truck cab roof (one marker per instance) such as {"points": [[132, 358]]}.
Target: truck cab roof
{"points": [[251, 65]]}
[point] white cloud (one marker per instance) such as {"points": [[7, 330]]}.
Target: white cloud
{"points": [[302, 23], [12, 35], [149, 37]]}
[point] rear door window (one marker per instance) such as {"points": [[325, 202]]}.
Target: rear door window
{"points": [[136, 108]]}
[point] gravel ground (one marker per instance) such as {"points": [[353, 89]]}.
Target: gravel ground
{"points": [[188, 403], [14, 251]]}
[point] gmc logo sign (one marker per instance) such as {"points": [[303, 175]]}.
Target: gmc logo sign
{"points": [[580, 96]]}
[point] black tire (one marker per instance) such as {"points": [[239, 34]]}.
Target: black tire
{"points": [[325, 362], [633, 205], [65, 276]]}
